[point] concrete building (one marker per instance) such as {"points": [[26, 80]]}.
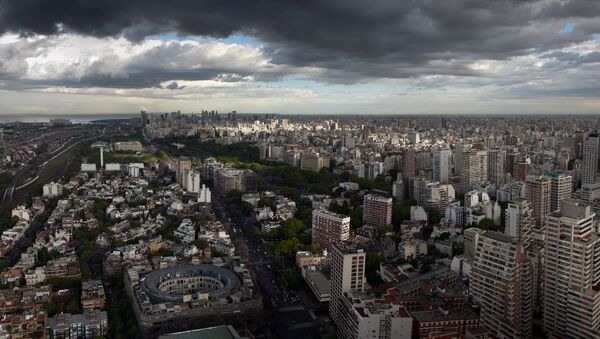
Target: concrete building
{"points": [[591, 147], [347, 276], [474, 169], [128, 146], [501, 282], [571, 293], [377, 211], [329, 228], [191, 181], [312, 161], [205, 196], [561, 187], [52, 189], [441, 165], [471, 236], [496, 166], [520, 222], [90, 324], [537, 192], [183, 164], [398, 188]]}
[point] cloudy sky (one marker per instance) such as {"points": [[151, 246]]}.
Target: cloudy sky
{"points": [[290, 56]]}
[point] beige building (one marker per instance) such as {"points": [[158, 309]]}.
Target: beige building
{"points": [[572, 273], [501, 282]]}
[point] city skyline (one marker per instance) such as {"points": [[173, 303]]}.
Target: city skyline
{"points": [[462, 57]]}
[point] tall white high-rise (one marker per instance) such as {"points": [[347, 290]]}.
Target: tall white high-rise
{"points": [[561, 186], [571, 273], [441, 165], [191, 181], [501, 282], [591, 147], [347, 276]]}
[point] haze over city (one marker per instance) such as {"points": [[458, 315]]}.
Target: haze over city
{"points": [[383, 57]]}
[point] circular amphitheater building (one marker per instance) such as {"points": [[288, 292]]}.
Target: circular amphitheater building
{"points": [[181, 283]]}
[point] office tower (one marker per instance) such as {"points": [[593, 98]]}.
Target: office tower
{"points": [[591, 147], [537, 192], [441, 165], [501, 282], [496, 166], [347, 276], [571, 274], [398, 188], [377, 211], [561, 185], [329, 228], [520, 222], [183, 164]]}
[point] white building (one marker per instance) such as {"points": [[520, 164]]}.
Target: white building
{"points": [[205, 196], [85, 167], [417, 213], [52, 189], [191, 181], [21, 212], [571, 294], [112, 167], [441, 165], [186, 231]]}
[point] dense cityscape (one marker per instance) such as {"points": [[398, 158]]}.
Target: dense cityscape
{"points": [[282, 169], [272, 226]]}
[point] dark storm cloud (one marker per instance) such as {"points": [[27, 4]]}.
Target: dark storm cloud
{"points": [[321, 32]]}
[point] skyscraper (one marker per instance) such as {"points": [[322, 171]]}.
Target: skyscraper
{"points": [[502, 282], [561, 185], [347, 276], [441, 165], [537, 193], [591, 148], [377, 211], [571, 275]]}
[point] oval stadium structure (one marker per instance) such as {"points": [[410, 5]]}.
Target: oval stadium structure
{"points": [[172, 284]]}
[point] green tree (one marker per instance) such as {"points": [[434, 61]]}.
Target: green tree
{"points": [[162, 155], [433, 216], [291, 228], [487, 224]]}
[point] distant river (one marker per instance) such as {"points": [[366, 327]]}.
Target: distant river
{"points": [[75, 118]]}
